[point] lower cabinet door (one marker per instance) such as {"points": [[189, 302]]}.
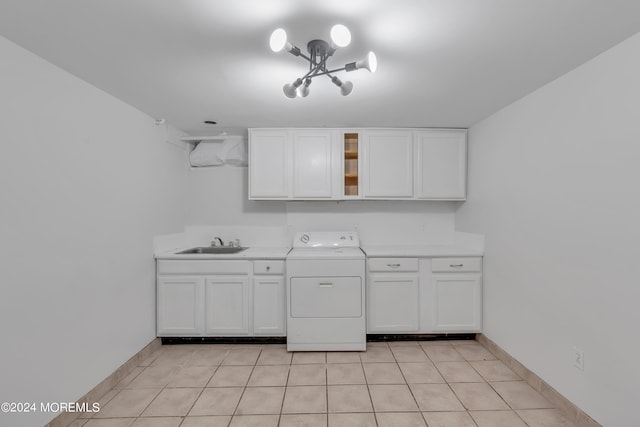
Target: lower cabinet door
{"points": [[393, 303], [457, 302], [268, 305], [227, 305], [180, 306]]}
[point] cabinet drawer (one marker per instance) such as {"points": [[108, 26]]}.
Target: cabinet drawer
{"points": [[456, 264], [393, 264], [268, 267], [204, 267]]}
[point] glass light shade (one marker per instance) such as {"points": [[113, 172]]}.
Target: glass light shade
{"points": [[373, 62], [370, 63], [346, 88], [340, 35], [278, 40], [290, 89], [304, 90]]}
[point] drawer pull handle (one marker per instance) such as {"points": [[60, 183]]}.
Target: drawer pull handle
{"points": [[268, 267], [326, 285], [393, 265], [456, 265]]}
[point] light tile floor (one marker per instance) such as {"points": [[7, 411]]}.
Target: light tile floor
{"points": [[409, 383]]}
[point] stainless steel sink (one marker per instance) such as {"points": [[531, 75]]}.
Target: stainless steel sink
{"points": [[213, 250]]}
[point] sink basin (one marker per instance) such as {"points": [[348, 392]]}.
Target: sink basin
{"points": [[213, 250]]}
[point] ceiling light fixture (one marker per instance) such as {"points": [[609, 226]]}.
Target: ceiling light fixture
{"points": [[319, 52]]}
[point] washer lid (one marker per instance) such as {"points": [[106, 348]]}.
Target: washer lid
{"points": [[326, 239]]}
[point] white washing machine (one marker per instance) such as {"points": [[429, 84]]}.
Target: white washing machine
{"points": [[326, 293]]}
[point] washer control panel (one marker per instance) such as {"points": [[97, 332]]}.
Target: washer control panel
{"points": [[326, 239]]}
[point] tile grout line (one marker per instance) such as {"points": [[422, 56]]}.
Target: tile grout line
{"points": [[118, 391], [486, 381], [151, 401], [449, 385], [511, 408], [253, 367], [366, 381], [326, 386], [407, 383], [202, 391], [173, 373], [286, 386]]}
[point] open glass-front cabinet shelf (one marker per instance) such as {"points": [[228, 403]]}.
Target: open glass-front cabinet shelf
{"points": [[350, 164]]}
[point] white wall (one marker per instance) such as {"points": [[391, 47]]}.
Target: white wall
{"points": [[86, 182], [553, 185], [377, 221], [218, 196]]}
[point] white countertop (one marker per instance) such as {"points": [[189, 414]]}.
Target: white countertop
{"points": [[255, 252], [419, 251], [275, 243], [278, 252]]}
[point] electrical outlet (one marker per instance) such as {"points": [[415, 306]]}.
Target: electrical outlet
{"points": [[578, 358]]}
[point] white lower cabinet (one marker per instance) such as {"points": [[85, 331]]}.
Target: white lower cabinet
{"points": [[180, 303], [269, 303], [429, 295], [227, 305], [457, 294], [393, 296], [456, 303], [220, 298]]}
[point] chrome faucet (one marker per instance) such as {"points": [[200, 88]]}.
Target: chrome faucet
{"points": [[217, 240]]}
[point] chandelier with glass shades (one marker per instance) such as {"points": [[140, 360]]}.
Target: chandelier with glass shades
{"points": [[319, 52]]}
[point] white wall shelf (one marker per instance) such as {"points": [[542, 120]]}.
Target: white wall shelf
{"points": [[203, 138]]}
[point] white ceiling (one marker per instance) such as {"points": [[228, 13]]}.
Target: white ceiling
{"points": [[442, 63]]}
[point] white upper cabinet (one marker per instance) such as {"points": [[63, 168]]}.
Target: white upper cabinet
{"points": [[342, 164], [441, 164], [387, 159], [269, 159], [312, 164], [292, 164]]}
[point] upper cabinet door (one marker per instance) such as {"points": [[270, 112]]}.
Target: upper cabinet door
{"points": [[387, 161], [312, 164], [441, 164], [269, 160]]}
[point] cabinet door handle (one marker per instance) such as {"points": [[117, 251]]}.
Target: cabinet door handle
{"points": [[393, 265], [456, 265], [326, 285]]}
